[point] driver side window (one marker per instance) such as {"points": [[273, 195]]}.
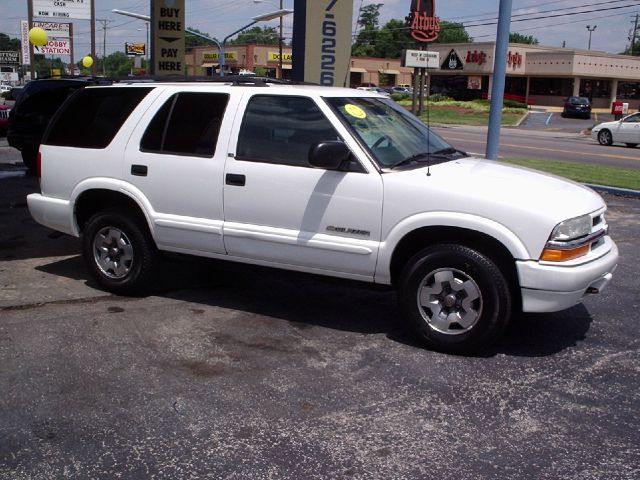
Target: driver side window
{"points": [[282, 129]]}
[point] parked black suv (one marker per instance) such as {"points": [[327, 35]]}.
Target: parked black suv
{"points": [[35, 106]]}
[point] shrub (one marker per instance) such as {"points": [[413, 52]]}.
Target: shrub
{"points": [[400, 96]]}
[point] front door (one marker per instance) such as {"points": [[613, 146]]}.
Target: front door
{"points": [[280, 210], [629, 131]]}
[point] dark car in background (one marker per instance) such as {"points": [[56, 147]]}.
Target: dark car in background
{"points": [[37, 102], [577, 107]]}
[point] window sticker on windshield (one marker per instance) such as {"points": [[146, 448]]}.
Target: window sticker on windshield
{"points": [[355, 111]]}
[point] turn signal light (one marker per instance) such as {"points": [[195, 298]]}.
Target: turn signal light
{"points": [[550, 255]]}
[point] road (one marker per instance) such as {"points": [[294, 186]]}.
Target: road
{"points": [[236, 372], [542, 144]]}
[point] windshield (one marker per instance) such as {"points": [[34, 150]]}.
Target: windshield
{"points": [[392, 135]]}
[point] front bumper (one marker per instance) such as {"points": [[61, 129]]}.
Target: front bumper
{"points": [[551, 288]]}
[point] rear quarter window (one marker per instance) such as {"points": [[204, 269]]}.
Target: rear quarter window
{"points": [[93, 116]]}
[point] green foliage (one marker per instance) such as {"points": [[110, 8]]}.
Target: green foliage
{"points": [[398, 97], [257, 35], [191, 41], [8, 43], [452, 32], [260, 71], [515, 37], [440, 98]]}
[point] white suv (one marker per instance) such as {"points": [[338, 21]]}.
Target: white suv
{"points": [[330, 181]]}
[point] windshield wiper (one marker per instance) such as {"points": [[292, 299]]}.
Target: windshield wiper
{"points": [[450, 151], [427, 156]]}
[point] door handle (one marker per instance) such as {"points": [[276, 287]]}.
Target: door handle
{"points": [[139, 170], [235, 179]]}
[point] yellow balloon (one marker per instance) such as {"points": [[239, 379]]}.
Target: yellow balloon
{"points": [[38, 36], [87, 61]]}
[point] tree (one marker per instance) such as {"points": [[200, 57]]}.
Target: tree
{"points": [[365, 43], [191, 41], [392, 39], [7, 43], [259, 35], [452, 32], [118, 64], [515, 37]]}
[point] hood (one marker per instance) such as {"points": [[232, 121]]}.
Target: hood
{"points": [[605, 125], [527, 202]]}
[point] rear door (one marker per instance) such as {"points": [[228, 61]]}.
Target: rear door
{"points": [[176, 164]]}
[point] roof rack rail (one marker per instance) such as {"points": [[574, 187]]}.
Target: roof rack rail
{"points": [[237, 80]]}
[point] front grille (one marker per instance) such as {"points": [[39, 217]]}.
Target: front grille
{"points": [[4, 114]]}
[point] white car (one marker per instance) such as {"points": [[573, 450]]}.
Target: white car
{"points": [[626, 130], [332, 181]]}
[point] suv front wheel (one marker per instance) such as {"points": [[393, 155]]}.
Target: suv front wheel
{"points": [[455, 299], [119, 252]]}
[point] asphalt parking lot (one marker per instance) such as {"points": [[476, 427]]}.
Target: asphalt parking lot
{"points": [[237, 372]]}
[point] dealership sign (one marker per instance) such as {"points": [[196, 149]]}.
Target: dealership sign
{"points": [[54, 29], [424, 24], [59, 9], [322, 41]]}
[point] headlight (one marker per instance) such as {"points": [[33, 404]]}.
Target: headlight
{"points": [[572, 229], [570, 239]]}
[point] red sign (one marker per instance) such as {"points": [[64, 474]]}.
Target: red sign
{"points": [[425, 26], [477, 57], [514, 59]]}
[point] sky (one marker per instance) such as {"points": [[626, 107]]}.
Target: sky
{"points": [[219, 18]]}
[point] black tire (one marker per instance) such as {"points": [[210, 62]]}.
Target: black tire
{"points": [[30, 157], [119, 252], [632, 145], [447, 277], [605, 137]]}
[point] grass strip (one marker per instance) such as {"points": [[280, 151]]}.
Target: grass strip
{"points": [[583, 172]]}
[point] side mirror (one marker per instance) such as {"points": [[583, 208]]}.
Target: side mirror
{"points": [[329, 155]]}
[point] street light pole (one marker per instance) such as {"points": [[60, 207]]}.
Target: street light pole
{"points": [[280, 75], [590, 32]]}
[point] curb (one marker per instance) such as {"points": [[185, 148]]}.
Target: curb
{"points": [[620, 192]]}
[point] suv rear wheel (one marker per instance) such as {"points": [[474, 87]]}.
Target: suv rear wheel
{"points": [[455, 299], [119, 252]]}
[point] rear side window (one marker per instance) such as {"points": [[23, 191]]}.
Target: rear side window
{"points": [[93, 116], [187, 124]]}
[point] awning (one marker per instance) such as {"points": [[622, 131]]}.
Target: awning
{"points": [[389, 72], [358, 70], [209, 65]]}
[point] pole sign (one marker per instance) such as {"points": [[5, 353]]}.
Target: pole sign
{"points": [[61, 9], [420, 59], [424, 24], [54, 47], [135, 49], [24, 41], [7, 57], [322, 41], [54, 29], [167, 33]]}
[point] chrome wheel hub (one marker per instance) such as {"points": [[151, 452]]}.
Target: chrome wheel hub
{"points": [[112, 252], [450, 301]]}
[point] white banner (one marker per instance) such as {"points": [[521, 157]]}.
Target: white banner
{"points": [[61, 9], [24, 38], [54, 29], [54, 47]]}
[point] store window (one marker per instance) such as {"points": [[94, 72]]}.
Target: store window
{"points": [[595, 89], [556, 87], [628, 91]]}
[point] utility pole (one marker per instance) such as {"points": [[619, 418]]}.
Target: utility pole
{"points": [[633, 36], [590, 32], [104, 44]]}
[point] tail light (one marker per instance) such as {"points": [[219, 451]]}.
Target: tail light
{"points": [[39, 166]]}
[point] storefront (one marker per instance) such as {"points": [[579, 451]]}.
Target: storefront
{"points": [[536, 74]]}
